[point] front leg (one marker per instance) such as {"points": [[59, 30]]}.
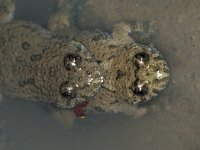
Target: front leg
{"points": [[7, 8], [108, 101], [63, 116], [142, 32], [121, 33], [63, 20]]}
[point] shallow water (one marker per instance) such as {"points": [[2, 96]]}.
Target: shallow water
{"points": [[174, 124]]}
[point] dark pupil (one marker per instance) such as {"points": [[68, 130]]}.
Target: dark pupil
{"points": [[72, 60], [141, 91], [143, 56], [67, 91]]}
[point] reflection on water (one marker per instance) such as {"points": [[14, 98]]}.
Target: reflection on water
{"points": [[173, 123]]}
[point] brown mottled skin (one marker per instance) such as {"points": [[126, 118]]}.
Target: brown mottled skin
{"points": [[119, 63], [32, 66]]}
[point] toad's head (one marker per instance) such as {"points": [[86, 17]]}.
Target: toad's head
{"points": [[137, 73]]}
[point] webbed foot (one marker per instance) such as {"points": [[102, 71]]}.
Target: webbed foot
{"points": [[63, 116]]}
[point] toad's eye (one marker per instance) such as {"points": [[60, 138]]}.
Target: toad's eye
{"points": [[140, 89], [68, 91], [72, 60], [141, 59]]}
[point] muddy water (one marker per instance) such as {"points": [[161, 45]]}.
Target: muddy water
{"points": [[175, 122]]}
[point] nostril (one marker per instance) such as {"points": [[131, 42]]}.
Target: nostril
{"points": [[119, 74]]}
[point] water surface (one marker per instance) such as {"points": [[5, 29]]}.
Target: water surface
{"points": [[174, 124]]}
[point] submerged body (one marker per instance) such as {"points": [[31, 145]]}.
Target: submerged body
{"points": [[112, 72]]}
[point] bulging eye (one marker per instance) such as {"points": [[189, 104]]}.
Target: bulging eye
{"points": [[140, 89], [72, 60], [141, 59], [68, 91]]}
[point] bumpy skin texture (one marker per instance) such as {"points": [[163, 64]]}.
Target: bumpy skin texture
{"points": [[39, 65], [133, 73], [112, 71]]}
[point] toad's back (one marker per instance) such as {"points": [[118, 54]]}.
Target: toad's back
{"points": [[40, 65], [19, 44]]}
